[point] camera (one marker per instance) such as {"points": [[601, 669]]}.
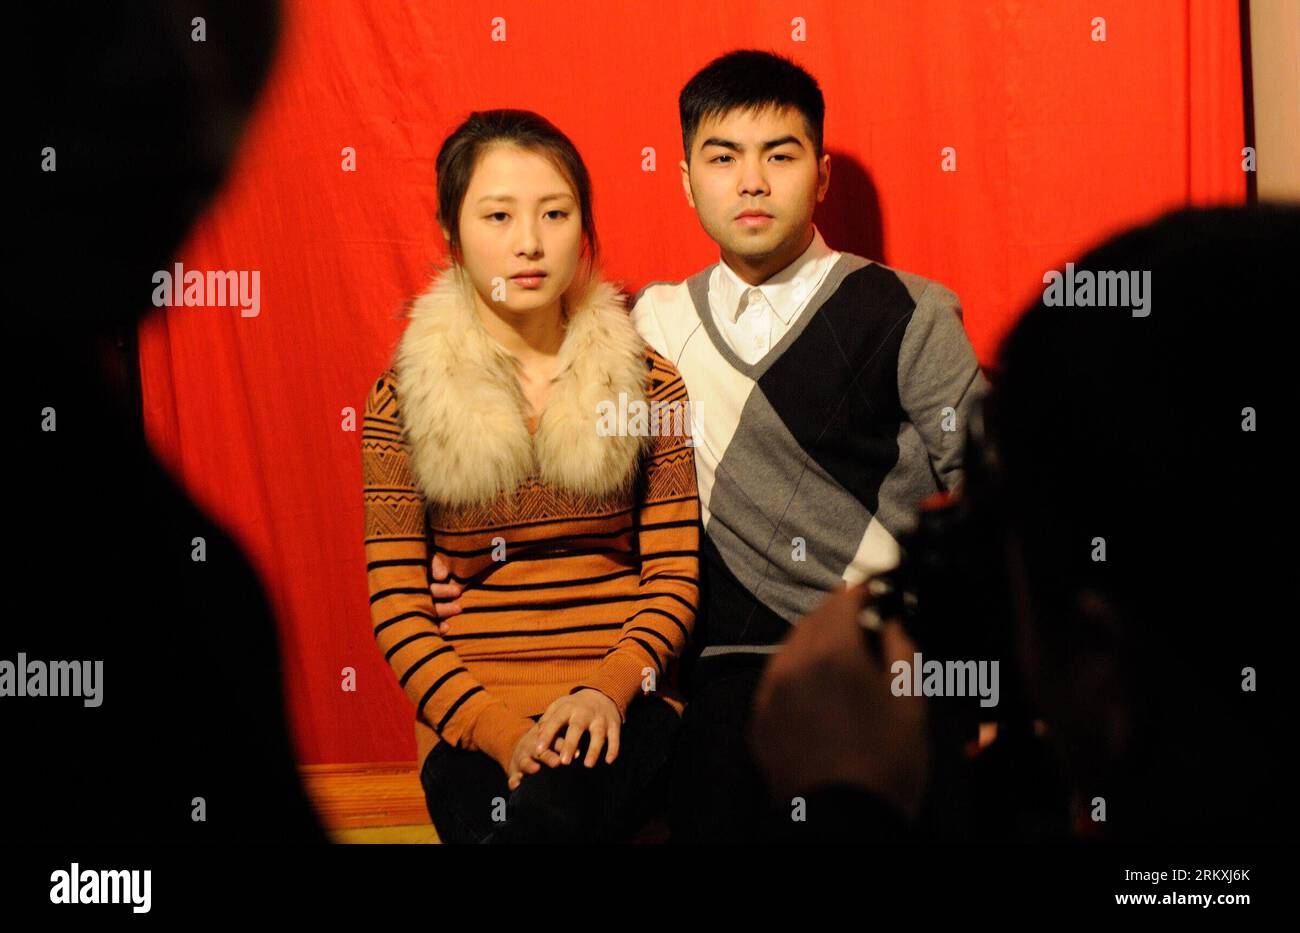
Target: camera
{"points": [[951, 590]]}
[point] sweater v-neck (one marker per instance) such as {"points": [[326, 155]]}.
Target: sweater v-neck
{"points": [[697, 286]]}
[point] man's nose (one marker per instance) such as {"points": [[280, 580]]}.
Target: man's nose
{"points": [[753, 180]]}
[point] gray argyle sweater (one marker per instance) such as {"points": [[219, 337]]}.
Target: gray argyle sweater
{"points": [[811, 462]]}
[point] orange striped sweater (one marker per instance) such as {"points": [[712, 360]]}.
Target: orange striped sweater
{"points": [[596, 591]]}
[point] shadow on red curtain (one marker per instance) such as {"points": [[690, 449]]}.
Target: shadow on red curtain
{"points": [[1058, 138]]}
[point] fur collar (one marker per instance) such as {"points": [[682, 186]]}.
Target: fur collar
{"points": [[465, 414]]}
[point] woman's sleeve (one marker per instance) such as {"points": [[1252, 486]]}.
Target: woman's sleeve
{"points": [[445, 695], [668, 522]]}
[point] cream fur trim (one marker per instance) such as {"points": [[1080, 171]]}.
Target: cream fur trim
{"points": [[465, 414]]}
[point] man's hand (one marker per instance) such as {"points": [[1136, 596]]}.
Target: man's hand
{"points": [[824, 713], [585, 711], [444, 594], [527, 758]]}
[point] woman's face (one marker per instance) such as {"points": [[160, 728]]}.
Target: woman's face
{"points": [[520, 215]]}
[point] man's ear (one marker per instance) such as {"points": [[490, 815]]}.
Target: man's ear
{"points": [[823, 176], [686, 182]]}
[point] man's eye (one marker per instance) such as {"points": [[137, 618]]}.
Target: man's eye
{"points": [[716, 158], [782, 155]]}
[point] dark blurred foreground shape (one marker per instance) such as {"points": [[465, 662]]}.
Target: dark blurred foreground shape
{"points": [[145, 122], [1135, 430], [1161, 672]]}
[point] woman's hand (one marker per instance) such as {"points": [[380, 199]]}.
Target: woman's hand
{"points": [[528, 757], [589, 711]]}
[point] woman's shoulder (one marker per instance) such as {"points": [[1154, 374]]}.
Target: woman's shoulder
{"points": [[382, 397], [664, 381]]}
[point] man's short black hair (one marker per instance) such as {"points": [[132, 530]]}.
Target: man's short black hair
{"points": [[750, 80]]}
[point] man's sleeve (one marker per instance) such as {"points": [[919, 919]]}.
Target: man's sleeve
{"points": [[939, 379], [645, 318]]}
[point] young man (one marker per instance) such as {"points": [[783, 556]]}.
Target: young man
{"points": [[833, 393]]}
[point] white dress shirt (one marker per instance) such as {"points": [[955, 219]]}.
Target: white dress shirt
{"points": [[754, 318]]}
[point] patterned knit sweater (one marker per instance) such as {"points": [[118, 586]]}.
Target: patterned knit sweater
{"points": [[569, 580], [811, 462]]}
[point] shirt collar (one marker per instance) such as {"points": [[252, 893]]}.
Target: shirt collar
{"points": [[785, 291]]}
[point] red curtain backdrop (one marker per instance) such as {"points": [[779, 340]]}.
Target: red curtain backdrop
{"points": [[1059, 139]]}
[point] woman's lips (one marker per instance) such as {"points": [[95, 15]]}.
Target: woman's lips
{"points": [[528, 281]]}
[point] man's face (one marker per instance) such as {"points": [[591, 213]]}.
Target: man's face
{"points": [[762, 161]]}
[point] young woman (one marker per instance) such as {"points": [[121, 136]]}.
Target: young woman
{"points": [[546, 709]]}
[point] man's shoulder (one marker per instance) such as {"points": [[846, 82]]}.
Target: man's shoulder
{"points": [[665, 313], [915, 283], [664, 292], [923, 292]]}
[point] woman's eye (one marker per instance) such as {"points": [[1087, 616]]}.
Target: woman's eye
{"points": [[562, 214], [497, 215]]}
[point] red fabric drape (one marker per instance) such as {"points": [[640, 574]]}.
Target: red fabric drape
{"points": [[1060, 140]]}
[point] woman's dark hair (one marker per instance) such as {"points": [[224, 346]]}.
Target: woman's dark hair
{"points": [[530, 131], [750, 80]]}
